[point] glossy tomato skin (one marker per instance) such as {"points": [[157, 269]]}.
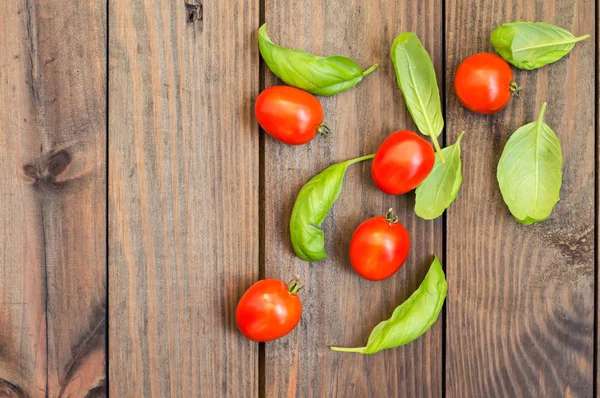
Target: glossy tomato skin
{"points": [[402, 162], [268, 311], [288, 114], [483, 83], [379, 248]]}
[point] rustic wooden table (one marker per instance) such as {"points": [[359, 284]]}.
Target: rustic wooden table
{"points": [[138, 200]]}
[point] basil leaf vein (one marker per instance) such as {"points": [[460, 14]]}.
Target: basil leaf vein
{"points": [[410, 319], [317, 75], [437, 192], [312, 205], [531, 45], [417, 81], [530, 171]]}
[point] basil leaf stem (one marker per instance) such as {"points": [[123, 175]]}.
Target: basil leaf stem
{"points": [[410, 319]]}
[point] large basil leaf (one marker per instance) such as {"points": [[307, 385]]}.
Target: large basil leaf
{"points": [[531, 45], [412, 318], [530, 171], [312, 205], [317, 75], [417, 81], [441, 186]]}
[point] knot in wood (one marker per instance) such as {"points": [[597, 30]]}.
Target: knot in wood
{"points": [[58, 163], [195, 11], [10, 390]]}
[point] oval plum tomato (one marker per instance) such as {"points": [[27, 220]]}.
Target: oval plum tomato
{"points": [[269, 309], [402, 162], [484, 83], [379, 247], [290, 115]]}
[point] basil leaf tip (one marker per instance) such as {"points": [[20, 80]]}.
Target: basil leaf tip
{"points": [[410, 319], [417, 80], [530, 171], [318, 75], [531, 45], [312, 205], [439, 190]]}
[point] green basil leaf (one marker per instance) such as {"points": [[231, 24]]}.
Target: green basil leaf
{"points": [[418, 83], [441, 186], [531, 45], [412, 318], [312, 205], [317, 75], [530, 171]]}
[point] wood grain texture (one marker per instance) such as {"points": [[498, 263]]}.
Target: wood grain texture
{"points": [[52, 198], [340, 308], [597, 247], [520, 306], [183, 196]]}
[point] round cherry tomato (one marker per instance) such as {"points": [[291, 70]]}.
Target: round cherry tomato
{"points": [[289, 115], [379, 247], [402, 162], [484, 83], [269, 309]]}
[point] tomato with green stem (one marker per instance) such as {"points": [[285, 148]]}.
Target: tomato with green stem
{"points": [[402, 162], [379, 247], [269, 309], [290, 115], [484, 83]]}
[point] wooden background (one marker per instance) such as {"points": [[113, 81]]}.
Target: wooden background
{"points": [[138, 201]]}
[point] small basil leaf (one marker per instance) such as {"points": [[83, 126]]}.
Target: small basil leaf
{"points": [[441, 186], [531, 45], [312, 205], [412, 318], [418, 83], [317, 75], [530, 171]]}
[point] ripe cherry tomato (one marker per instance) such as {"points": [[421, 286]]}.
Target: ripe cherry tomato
{"points": [[289, 115], [402, 162], [379, 247], [269, 309], [484, 83]]}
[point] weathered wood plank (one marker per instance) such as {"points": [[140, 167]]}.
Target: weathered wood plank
{"points": [[339, 307], [597, 165], [183, 196], [52, 197], [520, 303]]}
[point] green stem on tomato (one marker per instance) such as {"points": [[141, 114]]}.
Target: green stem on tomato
{"points": [[295, 286], [324, 130]]}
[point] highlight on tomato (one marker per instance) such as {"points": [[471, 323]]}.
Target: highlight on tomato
{"points": [[269, 309], [402, 162], [290, 115], [379, 247], [484, 83]]}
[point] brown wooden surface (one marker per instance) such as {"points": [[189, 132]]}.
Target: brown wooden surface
{"points": [[199, 202], [339, 307], [183, 197], [597, 165], [520, 309], [53, 198]]}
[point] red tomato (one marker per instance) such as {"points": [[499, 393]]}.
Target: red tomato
{"points": [[269, 309], [484, 83], [379, 247], [289, 115], [402, 162]]}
